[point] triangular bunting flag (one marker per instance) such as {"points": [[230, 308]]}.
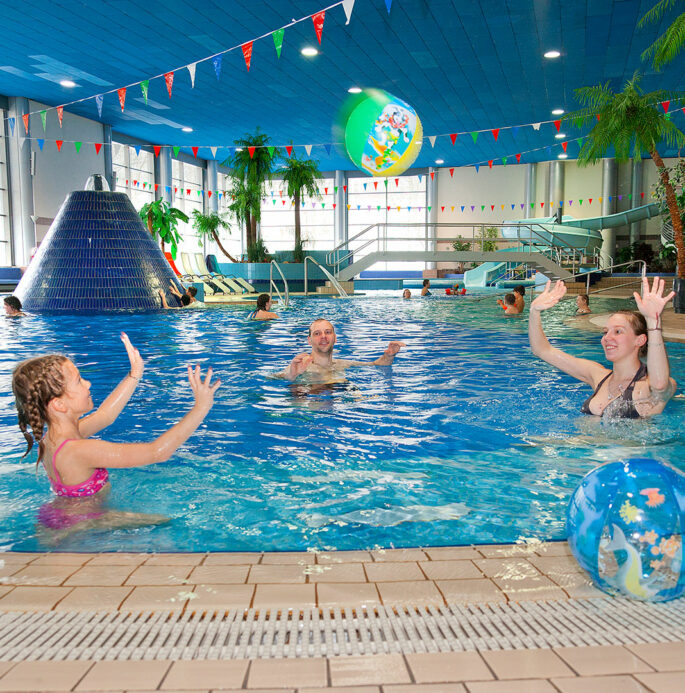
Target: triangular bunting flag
{"points": [[515, 131], [60, 114], [278, 40], [431, 139], [156, 186], [247, 54], [176, 151], [122, 97], [375, 185], [453, 137], [345, 188], [289, 149], [308, 149], [169, 80], [77, 145], [432, 175], [397, 182], [347, 6], [385, 182], [271, 151], [477, 167], [145, 86], [504, 160], [442, 208], [40, 144], [420, 178], [557, 125], [98, 102], [536, 126], [492, 208], [580, 201], [194, 151], [59, 144], [451, 173], [518, 158], [157, 149], [512, 206], [482, 207], [452, 208], [251, 150], [318, 23], [502, 207], [213, 150], [495, 133], [191, 69], [364, 184], [564, 145], [25, 118], [590, 201], [473, 207], [44, 118], [474, 136], [216, 61], [665, 105], [327, 147], [462, 208], [98, 147], [490, 163], [388, 4]]}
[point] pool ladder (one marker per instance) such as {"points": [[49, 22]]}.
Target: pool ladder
{"points": [[285, 297]]}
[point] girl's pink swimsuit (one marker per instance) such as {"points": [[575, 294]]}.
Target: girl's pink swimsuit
{"points": [[89, 487]]}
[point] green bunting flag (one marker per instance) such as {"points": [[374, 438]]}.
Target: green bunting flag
{"points": [[278, 40], [504, 160], [176, 151], [581, 202], [482, 207], [271, 151], [43, 117], [144, 87], [474, 135], [78, 146]]}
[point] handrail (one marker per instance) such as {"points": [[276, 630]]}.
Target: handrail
{"points": [[331, 278], [643, 272], [285, 302]]}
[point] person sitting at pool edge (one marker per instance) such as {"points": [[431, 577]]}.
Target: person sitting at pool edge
{"points": [[13, 307], [630, 389], [583, 303], [509, 304], [406, 293], [263, 311], [426, 286], [320, 362]]}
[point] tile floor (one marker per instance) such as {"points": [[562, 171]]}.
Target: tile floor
{"points": [[126, 582]]}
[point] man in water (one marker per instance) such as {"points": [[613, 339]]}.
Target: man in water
{"points": [[320, 364]]}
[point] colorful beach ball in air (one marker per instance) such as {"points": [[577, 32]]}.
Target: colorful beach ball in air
{"points": [[624, 526], [383, 134]]}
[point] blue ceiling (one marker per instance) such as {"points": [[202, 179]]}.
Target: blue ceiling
{"points": [[464, 65]]}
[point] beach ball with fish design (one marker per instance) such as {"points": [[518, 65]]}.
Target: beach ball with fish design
{"points": [[624, 525], [383, 134]]}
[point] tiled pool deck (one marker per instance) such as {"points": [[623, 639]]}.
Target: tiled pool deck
{"points": [[200, 582]]}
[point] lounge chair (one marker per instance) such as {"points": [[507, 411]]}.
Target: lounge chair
{"points": [[191, 275], [217, 277], [213, 264]]}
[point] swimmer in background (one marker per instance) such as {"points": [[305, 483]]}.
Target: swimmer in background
{"points": [[630, 389], [406, 293], [191, 293], [519, 293], [50, 392], [426, 286], [320, 365], [185, 300], [13, 307], [583, 303], [509, 304], [263, 311]]}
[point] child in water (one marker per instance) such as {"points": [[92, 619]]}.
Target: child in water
{"points": [[50, 391]]}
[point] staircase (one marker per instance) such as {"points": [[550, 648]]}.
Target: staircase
{"points": [[329, 289], [606, 286]]}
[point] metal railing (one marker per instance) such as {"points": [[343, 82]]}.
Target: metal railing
{"points": [[285, 300], [587, 276], [331, 278]]}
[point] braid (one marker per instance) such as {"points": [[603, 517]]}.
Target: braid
{"points": [[35, 383]]}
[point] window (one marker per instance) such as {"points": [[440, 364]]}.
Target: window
{"points": [[187, 195], [134, 173], [5, 238]]}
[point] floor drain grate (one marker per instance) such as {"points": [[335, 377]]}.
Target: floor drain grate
{"points": [[254, 634]]}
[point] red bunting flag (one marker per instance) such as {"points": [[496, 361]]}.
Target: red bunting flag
{"points": [[490, 163], [432, 175], [492, 208], [194, 151], [451, 173], [642, 194], [542, 204], [60, 114], [209, 193], [453, 137], [375, 185], [325, 191], [157, 149], [247, 54], [289, 149], [156, 186], [59, 144], [597, 117], [169, 79], [590, 200], [251, 150], [665, 105], [442, 208], [187, 191], [518, 158], [318, 23], [388, 208], [397, 182], [495, 133], [334, 205], [557, 125], [345, 188], [98, 147], [25, 118], [122, 97], [564, 145]]}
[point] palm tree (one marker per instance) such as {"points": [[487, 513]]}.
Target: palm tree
{"points": [[671, 42], [208, 225], [301, 175], [631, 122], [162, 222], [251, 166]]}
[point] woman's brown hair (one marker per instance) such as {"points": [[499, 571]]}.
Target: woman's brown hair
{"points": [[639, 326], [35, 383]]}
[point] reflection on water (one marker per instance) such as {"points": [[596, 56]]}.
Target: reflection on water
{"points": [[466, 438]]}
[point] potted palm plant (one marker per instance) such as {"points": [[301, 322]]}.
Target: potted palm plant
{"points": [[300, 175], [162, 222], [630, 121], [208, 225]]}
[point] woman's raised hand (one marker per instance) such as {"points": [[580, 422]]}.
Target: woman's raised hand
{"points": [[137, 365], [652, 302], [202, 389], [550, 296]]}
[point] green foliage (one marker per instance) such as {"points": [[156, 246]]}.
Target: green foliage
{"points": [[461, 245], [300, 176], [162, 222], [636, 251], [298, 252], [671, 42], [257, 252], [208, 225], [676, 175], [485, 233]]}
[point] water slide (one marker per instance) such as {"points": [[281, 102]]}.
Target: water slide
{"points": [[583, 234]]}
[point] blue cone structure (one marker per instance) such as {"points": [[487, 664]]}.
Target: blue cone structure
{"points": [[97, 256]]}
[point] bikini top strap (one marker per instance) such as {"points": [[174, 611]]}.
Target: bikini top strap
{"points": [[639, 375], [54, 454], [601, 382]]}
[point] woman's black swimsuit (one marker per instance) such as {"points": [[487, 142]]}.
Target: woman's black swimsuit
{"points": [[623, 406]]}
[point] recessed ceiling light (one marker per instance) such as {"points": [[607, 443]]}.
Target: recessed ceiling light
{"points": [[239, 149], [187, 129], [560, 135], [552, 54], [562, 156], [67, 83], [558, 111], [439, 161], [309, 51], [355, 90]]}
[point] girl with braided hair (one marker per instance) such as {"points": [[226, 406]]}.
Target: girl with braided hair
{"points": [[50, 393]]}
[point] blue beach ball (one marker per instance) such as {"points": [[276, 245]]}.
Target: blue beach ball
{"points": [[624, 525]]}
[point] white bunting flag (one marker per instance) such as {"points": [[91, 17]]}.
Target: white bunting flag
{"points": [[347, 6], [191, 69], [431, 139], [308, 149]]}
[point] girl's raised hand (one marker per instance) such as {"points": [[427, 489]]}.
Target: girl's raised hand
{"points": [[137, 365], [550, 296], [202, 389], [652, 302]]}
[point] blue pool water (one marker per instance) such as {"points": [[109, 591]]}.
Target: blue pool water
{"points": [[467, 438]]}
